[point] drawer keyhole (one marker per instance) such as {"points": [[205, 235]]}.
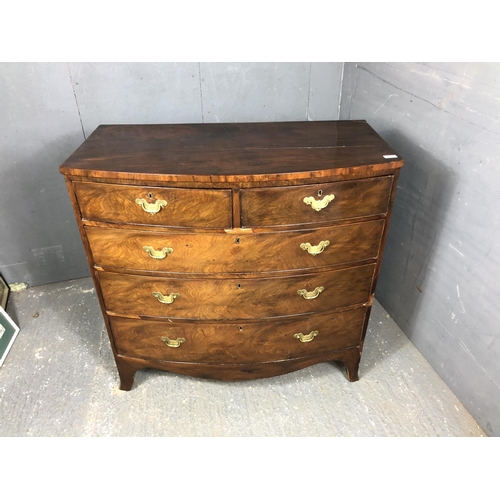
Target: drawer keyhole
{"points": [[320, 193], [237, 241], [240, 328], [239, 285], [150, 196]]}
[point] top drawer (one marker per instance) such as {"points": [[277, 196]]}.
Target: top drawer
{"points": [[171, 207], [315, 203]]}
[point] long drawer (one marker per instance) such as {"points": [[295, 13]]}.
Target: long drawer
{"points": [[169, 207], [317, 203], [212, 298], [226, 253], [232, 342]]}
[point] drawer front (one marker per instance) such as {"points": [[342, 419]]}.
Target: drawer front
{"points": [[325, 202], [226, 253], [213, 298], [171, 207], [237, 343]]}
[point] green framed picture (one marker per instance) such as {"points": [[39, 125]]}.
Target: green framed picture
{"points": [[8, 333]]}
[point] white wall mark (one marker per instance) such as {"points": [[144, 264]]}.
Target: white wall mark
{"points": [[384, 103], [460, 300], [456, 250]]}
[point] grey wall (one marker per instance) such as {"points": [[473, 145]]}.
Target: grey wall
{"points": [[440, 278], [47, 110]]}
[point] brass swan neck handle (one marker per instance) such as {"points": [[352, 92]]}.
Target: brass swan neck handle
{"points": [[315, 250], [318, 204], [151, 208]]}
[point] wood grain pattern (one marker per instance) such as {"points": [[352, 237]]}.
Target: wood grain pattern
{"points": [[298, 178], [213, 253], [284, 205], [212, 298], [231, 342], [230, 152], [231, 232], [207, 208], [109, 140], [237, 371], [244, 166], [88, 255]]}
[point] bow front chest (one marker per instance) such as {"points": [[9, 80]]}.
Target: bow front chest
{"points": [[234, 251]]}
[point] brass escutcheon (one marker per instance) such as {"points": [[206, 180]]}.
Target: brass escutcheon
{"points": [[318, 204], [306, 338], [166, 299], [151, 208], [311, 295], [315, 250], [157, 254]]}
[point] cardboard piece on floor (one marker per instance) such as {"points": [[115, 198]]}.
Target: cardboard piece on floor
{"points": [[4, 293]]}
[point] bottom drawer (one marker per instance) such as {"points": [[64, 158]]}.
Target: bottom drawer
{"points": [[237, 342]]}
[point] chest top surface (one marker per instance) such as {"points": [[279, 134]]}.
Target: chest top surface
{"points": [[220, 152]]}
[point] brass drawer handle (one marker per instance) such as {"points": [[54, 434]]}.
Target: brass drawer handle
{"points": [[315, 250], [318, 204], [166, 299], [151, 208], [173, 343], [306, 338], [157, 254], [311, 295]]}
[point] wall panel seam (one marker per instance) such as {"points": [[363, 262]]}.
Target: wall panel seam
{"points": [[76, 100]]}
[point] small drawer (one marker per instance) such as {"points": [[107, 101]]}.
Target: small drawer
{"points": [[213, 298], [121, 249], [169, 207], [315, 203], [232, 342]]}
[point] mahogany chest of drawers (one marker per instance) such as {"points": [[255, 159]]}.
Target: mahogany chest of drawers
{"points": [[234, 251]]}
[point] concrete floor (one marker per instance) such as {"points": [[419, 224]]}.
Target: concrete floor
{"points": [[59, 379]]}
